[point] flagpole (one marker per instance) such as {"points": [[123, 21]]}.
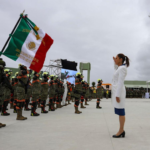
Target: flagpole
{"points": [[12, 33]]}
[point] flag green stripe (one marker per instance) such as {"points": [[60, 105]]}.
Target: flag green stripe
{"points": [[18, 38], [31, 22]]}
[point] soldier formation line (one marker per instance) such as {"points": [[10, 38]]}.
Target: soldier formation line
{"points": [[27, 85]]}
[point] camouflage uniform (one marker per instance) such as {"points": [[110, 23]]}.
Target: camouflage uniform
{"points": [[7, 94], [28, 96], [15, 93], [82, 96], [78, 92], [21, 91], [99, 92], [51, 93], [44, 92], [59, 100], [72, 92], [107, 94], [69, 92], [2, 80], [36, 90], [87, 94]]}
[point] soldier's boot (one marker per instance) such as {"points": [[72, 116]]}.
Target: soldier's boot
{"points": [[76, 110], [79, 111], [51, 107], [26, 106], [33, 113], [19, 117], [4, 113], [11, 105], [43, 109], [97, 106], [58, 105], [82, 106], [23, 116], [86, 102], [2, 125]]}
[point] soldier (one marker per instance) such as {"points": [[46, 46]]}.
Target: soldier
{"points": [[39, 99], [87, 93], [29, 93], [59, 100], [2, 80], [15, 91], [21, 91], [51, 93], [36, 91], [72, 92], [99, 93], [78, 92], [69, 92], [90, 93], [82, 96], [7, 91], [12, 93], [44, 91], [62, 92], [56, 80], [107, 94]]}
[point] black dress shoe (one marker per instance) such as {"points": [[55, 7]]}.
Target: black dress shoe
{"points": [[119, 136]]}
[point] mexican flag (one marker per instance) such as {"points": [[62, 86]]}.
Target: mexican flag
{"points": [[28, 45]]}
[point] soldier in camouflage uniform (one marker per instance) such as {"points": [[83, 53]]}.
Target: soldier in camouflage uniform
{"points": [[82, 96], [15, 91], [99, 93], [62, 92], [86, 93], [12, 93], [51, 93], [69, 92], [44, 91], [90, 93], [39, 99], [59, 100], [72, 92], [21, 91], [2, 80], [7, 91], [78, 92], [56, 80], [36, 91], [107, 94], [28, 95]]}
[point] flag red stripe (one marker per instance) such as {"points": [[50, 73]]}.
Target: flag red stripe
{"points": [[40, 55]]}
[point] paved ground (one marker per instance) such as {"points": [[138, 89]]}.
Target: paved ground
{"points": [[92, 130]]}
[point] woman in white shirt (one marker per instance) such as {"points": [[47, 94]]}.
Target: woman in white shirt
{"points": [[118, 90]]}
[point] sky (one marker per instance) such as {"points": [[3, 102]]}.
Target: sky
{"points": [[88, 31]]}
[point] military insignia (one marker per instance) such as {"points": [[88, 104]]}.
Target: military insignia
{"points": [[31, 46]]}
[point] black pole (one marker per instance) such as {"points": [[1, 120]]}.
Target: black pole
{"points": [[11, 34]]}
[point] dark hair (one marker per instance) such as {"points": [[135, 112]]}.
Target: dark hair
{"points": [[124, 58]]}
